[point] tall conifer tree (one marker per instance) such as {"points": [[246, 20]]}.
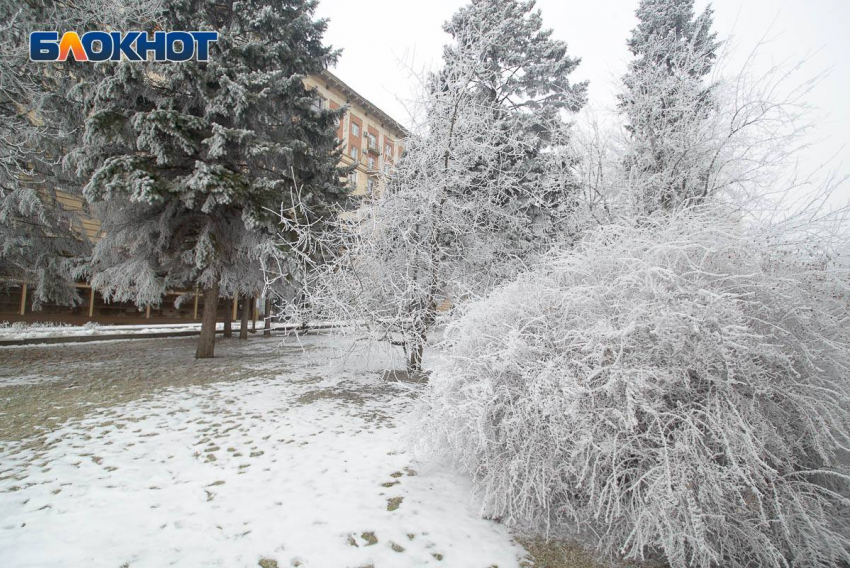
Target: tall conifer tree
{"points": [[42, 238], [188, 162], [665, 100]]}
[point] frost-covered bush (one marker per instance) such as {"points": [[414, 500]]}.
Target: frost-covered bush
{"points": [[679, 387]]}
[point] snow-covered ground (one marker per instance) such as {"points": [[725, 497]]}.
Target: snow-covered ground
{"points": [[268, 453], [40, 330]]}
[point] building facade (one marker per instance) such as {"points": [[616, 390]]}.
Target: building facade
{"points": [[371, 141], [370, 138]]}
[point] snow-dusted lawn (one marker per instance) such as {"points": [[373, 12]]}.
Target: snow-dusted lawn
{"points": [[41, 330], [133, 454]]}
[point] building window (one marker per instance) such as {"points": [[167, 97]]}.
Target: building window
{"points": [[371, 161], [372, 141], [319, 103], [355, 129], [352, 179], [388, 150], [354, 153], [370, 186]]}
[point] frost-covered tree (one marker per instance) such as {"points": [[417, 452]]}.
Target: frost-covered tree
{"points": [[694, 129], [676, 384], [188, 163], [41, 238], [667, 99], [482, 187]]}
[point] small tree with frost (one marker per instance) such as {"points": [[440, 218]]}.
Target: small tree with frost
{"points": [[483, 186]]}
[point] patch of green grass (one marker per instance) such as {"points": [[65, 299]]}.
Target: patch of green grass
{"points": [[394, 503], [564, 553], [334, 393], [556, 554]]}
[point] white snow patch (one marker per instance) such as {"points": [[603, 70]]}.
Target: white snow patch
{"points": [[298, 473], [27, 380]]}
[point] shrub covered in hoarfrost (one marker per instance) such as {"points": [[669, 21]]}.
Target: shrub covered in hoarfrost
{"points": [[678, 387]]}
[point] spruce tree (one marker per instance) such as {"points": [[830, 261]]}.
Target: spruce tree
{"points": [[666, 99], [42, 239], [190, 165]]}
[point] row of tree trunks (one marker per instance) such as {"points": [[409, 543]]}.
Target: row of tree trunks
{"points": [[206, 342]]}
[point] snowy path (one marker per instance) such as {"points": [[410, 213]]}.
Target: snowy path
{"points": [[278, 460]]}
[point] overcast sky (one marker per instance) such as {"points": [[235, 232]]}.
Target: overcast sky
{"points": [[383, 40]]}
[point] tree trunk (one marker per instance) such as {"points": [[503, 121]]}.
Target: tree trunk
{"points": [[228, 318], [253, 314], [246, 315], [424, 318], [206, 342], [414, 358], [267, 325]]}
